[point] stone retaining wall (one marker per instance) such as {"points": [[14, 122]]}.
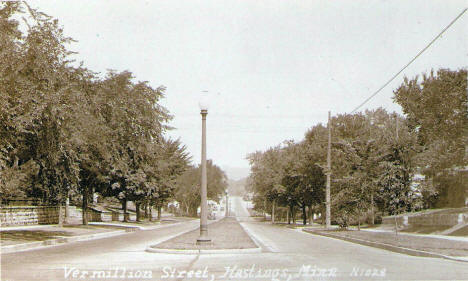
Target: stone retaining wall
{"points": [[30, 215], [99, 216], [428, 219]]}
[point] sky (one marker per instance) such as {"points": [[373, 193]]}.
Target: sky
{"points": [[272, 69]]}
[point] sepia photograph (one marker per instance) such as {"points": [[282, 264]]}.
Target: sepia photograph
{"points": [[269, 140]]}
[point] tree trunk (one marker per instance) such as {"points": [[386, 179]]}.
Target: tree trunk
{"points": [[159, 212], [84, 207], [137, 209], [359, 221], [146, 209], [372, 209], [124, 208], [322, 216], [273, 213], [311, 215], [60, 215], [67, 208], [304, 214], [15, 164], [150, 206], [93, 190], [396, 225], [193, 211], [288, 217], [293, 213]]}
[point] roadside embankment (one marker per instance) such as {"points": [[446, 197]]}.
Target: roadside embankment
{"points": [[410, 244]]}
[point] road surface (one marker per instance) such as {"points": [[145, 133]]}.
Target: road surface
{"points": [[287, 255]]}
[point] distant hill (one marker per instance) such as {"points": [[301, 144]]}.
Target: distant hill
{"points": [[236, 173], [237, 187]]}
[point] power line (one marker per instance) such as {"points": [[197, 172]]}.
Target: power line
{"points": [[244, 116], [401, 70]]}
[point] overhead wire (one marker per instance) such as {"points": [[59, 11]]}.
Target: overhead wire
{"points": [[410, 62]]}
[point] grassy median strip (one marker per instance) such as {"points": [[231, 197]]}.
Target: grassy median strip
{"points": [[225, 234], [420, 243]]}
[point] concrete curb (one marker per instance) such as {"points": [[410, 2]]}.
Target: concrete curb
{"points": [[388, 247], [159, 226], [86, 237], [115, 224], [204, 251], [25, 227], [252, 236], [156, 226], [437, 236], [60, 241], [153, 249]]}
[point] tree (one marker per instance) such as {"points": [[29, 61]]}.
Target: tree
{"points": [[39, 103], [135, 125], [266, 177], [355, 154], [187, 191], [303, 178], [170, 162], [436, 109], [288, 176], [65, 131], [362, 143]]}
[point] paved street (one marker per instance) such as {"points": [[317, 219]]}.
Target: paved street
{"points": [[287, 255]]}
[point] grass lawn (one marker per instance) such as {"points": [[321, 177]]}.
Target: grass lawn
{"points": [[441, 246], [460, 232], [11, 237], [425, 229]]}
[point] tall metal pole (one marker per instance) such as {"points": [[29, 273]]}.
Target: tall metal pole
{"points": [[203, 239], [396, 117], [371, 122], [227, 204], [397, 211], [328, 206]]}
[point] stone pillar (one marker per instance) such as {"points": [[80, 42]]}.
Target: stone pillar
{"points": [[405, 220], [67, 210]]}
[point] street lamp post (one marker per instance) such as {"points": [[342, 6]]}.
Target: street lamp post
{"points": [[203, 239]]}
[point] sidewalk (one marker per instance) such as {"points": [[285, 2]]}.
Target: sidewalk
{"points": [[145, 225], [454, 238], [388, 230]]}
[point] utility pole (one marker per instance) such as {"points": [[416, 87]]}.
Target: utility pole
{"points": [[273, 211], [396, 117], [397, 211], [227, 204], [328, 206], [371, 121]]}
